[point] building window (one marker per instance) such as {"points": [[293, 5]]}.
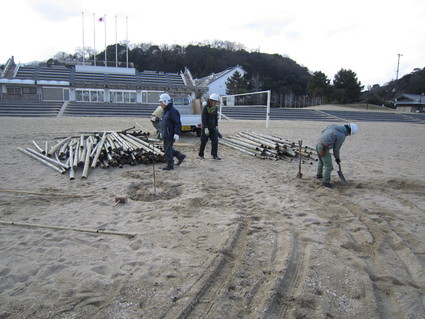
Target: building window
{"points": [[89, 96], [122, 97], [29, 90], [14, 91], [151, 96]]}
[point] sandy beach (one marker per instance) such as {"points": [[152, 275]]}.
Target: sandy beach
{"points": [[237, 238]]}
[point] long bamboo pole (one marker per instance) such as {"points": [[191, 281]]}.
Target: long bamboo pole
{"points": [[42, 161], [45, 194], [99, 149], [57, 146], [76, 154], [87, 160], [48, 159], [38, 148], [250, 152], [96, 231], [71, 163], [148, 145]]}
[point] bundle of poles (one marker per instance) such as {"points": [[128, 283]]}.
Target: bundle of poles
{"points": [[269, 147], [91, 150]]}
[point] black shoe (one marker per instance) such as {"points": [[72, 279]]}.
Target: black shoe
{"points": [[328, 185], [319, 176], [167, 168], [216, 158], [181, 159]]}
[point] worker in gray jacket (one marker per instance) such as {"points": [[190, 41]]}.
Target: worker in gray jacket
{"points": [[331, 138]]}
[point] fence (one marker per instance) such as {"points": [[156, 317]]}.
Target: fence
{"points": [[292, 100]]}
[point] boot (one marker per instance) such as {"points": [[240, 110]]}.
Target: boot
{"points": [[168, 168], [181, 159]]}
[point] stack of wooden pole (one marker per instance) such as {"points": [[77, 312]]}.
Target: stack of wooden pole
{"points": [[269, 147], [91, 150]]}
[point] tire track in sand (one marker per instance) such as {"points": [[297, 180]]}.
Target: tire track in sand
{"points": [[395, 271], [288, 285], [246, 273]]}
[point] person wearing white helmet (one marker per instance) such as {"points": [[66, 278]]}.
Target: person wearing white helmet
{"points": [[209, 117], [331, 138], [171, 130]]}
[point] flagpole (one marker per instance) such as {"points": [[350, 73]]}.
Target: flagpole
{"points": [[106, 61], [94, 39], [126, 22], [82, 19], [116, 43]]}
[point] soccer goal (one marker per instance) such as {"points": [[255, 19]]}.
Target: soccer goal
{"points": [[252, 99]]}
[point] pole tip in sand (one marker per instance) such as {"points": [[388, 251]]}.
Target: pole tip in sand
{"points": [[120, 200]]}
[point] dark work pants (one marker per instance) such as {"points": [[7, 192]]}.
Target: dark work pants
{"points": [[214, 142], [170, 152]]}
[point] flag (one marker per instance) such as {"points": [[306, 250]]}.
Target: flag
{"points": [[102, 19]]}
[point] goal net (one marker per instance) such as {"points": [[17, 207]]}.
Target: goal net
{"points": [[251, 99]]}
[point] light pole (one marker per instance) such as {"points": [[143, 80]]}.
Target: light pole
{"points": [[398, 64]]}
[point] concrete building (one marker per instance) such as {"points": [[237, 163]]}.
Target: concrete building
{"points": [[91, 84]]}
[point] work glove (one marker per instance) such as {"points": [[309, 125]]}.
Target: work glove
{"points": [[207, 132], [337, 160], [218, 133], [176, 137]]}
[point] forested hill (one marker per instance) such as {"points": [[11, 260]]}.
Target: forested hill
{"points": [[264, 71]]}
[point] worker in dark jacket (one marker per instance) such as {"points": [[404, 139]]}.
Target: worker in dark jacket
{"points": [[171, 130], [209, 119], [331, 138]]}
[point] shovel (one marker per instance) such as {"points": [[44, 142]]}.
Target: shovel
{"points": [[341, 176]]}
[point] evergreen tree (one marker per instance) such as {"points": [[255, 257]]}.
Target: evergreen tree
{"points": [[347, 88], [319, 86], [236, 84]]}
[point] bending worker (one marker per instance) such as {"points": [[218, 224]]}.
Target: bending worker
{"points": [[171, 129], [209, 119], [331, 137]]}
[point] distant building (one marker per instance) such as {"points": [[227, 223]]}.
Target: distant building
{"points": [[91, 84], [410, 102], [216, 82]]}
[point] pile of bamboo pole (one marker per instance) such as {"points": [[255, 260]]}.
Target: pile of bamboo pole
{"points": [[91, 150], [269, 147]]}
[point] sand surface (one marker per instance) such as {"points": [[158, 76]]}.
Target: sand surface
{"points": [[237, 238]]}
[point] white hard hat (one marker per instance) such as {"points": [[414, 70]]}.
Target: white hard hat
{"points": [[214, 97], [354, 128], [165, 98]]}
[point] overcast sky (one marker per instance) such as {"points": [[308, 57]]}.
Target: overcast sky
{"points": [[364, 36]]}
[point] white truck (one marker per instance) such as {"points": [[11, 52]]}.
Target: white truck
{"points": [[190, 114]]}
